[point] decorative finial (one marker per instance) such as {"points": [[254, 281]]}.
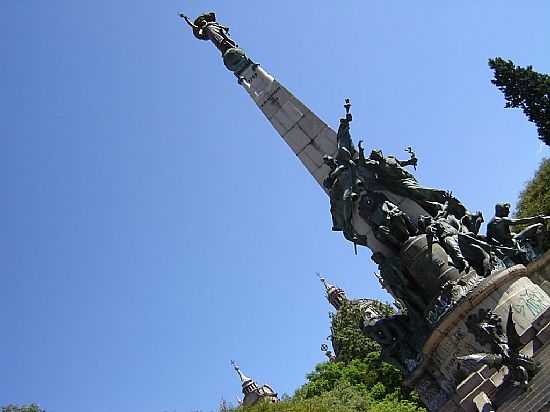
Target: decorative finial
{"points": [[347, 105], [324, 281], [242, 376], [348, 118]]}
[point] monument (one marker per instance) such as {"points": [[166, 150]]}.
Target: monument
{"points": [[474, 328]]}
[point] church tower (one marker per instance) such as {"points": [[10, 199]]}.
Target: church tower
{"points": [[252, 392], [335, 296]]}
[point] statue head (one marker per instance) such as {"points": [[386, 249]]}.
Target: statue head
{"points": [[205, 18], [502, 209], [472, 221], [376, 155]]}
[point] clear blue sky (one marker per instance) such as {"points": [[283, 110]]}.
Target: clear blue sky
{"points": [[154, 226]]}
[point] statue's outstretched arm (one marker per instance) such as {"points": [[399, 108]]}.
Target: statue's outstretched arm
{"points": [[197, 31], [410, 162], [527, 220], [413, 161], [189, 22]]}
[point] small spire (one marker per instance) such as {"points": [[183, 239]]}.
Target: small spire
{"points": [[248, 384], [327, 285], [242, 376], [334, 295]]}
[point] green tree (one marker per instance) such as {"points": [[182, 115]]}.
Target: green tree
{"points": [[344, 397], [348, 340], [526, 89], [535, 197], [369, 375]]}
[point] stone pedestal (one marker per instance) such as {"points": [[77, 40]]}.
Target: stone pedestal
{"points": [[539, 272], [438, 379]]}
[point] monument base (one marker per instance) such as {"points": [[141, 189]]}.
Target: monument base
{"points": [[539, 272], [439, 379]]}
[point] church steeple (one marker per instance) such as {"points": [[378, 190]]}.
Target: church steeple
{"points": [[335, 296], [252, 392], [248, 384]]}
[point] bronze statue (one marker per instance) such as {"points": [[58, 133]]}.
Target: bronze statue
{"points": [[390, 225], [340, 185], [444, 228], [391, 175], [343, 137], [396, 281], [505, 349], [499, 233], [205, 27], [332, 184], [344, 182], [471, 223]]}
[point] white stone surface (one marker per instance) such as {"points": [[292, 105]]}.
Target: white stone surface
{"points": [[297, 139], [258, 83], [326, 140], [312, 125], [288, 115], [483, 403], [528, 302], [299, 127]]}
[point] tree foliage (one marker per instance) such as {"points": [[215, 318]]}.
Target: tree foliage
{"points": [[368, 375], [348, 340], [343, 398], [535, 197], [526, 89]]}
